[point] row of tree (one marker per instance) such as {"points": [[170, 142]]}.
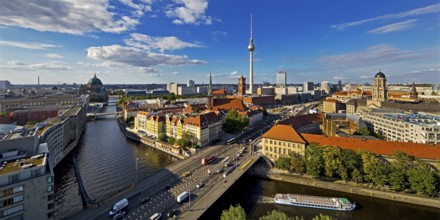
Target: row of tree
{"points": [[188, 139], [403, 173], [238, 213]]}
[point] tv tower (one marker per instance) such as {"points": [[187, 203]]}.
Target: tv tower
{"points": [[251, 49]]}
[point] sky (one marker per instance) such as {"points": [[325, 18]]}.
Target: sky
{"points": [[163, 41]]}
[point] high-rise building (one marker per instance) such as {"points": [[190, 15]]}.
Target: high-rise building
{"points": [[5, 84], [281, 78], [380, 87], [308, 86], [339, 85], [251, 49], [190, 83], [241, 85]]}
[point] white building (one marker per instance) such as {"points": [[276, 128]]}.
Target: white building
{"points": [[308, 86], [5, 84], [190, 83], [281, 79]]}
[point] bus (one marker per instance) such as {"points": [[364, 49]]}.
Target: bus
{"points": [[230, 141]]}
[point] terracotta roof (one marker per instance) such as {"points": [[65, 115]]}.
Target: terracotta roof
{"points": [[377, 146], [202, 119], [218, 92], [228, 104], [298, 121], [332, 100], [283, 133]]}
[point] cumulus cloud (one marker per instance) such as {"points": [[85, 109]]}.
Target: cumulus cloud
{"points": [[189, 12], [26, 45], [175, 73], [48, 66], [54, 55], [161, 44], [140, 8], [378, 54], [66, 16], [399, 26], [435, 8], [234, 73], [136, 57]]}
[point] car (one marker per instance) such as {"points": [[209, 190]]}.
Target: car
{"points": [[166, 187], [119, 215], [186, 174], [200, 185], [144, 199], [173, 213], [219, 170]]}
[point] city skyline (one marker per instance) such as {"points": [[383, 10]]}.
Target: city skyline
{"points": [[147, 41]]}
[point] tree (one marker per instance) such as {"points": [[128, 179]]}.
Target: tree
{"points": [[364, 131], [188, 140], [171, 140], [278, 215], [323, 217], [350, 161], [235, 122], [422, 179], [163, 138], [332, 161], [357, 176], [313, 160], [398, 177], [283, 163], [374, 169], [234, 213], [297, 164]]}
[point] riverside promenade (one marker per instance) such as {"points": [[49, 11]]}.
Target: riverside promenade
{"points": [[281, 175]]}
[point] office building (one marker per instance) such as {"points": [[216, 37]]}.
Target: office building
{"points": [[190, 83], [308, 86], [281, 80]]}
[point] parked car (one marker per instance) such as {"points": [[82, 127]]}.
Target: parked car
{"points": [[144, 199], [219, 170], [186, 174]]}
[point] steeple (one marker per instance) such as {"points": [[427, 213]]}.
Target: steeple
{"points": [[210, 85]]}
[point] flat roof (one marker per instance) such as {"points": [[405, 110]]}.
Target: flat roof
{"points": [[14, 165]]}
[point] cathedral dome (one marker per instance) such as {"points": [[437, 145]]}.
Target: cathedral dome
{"points": [[94, 82], [379, 75]]}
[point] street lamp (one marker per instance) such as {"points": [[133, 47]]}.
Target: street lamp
{"points": [[136, 169]]}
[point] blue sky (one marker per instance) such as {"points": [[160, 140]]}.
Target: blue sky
{"points": [[160, 41]]}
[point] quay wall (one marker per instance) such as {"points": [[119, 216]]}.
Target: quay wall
{"points": [[280, 175]]}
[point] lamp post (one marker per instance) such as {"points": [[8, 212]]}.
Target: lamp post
{"points": [[136, 169]]}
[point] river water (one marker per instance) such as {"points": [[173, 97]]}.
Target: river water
{"points": [[107, 163]]}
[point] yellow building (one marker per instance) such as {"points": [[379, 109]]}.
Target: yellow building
{"points": [[155, 125], [205, 127], [140, 122], [282, 140], [174, 126]]}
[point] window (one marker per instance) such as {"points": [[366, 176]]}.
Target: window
{"points": [[50, 188], [50, 197], [35, 173], [13, 178], [18, 198], [12, 210], [49, 179]]}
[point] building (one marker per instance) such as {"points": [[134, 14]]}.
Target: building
{"points": [[251, 49], [26, 179], [205, 127], [155, 125], [96, 90], [335, 123], [416, 128], [380, 87], [352, 106], [5, 84], [241, 86], [325, 86], [266, 91], [332, 106], [344, 96], [282, 140], [174, 126], [12, 104], [281, 78], [21, 117], [190, 83], [267, 100], [308, 86]]}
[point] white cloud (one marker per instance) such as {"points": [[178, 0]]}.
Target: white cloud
{"points": [[54, 55], [175, 73], [65, 16], [339, 77], [136, 57], [15, 63], [366, 77], [378, 54], [234, 73], [399, 26], [161, 44], [140, 8], [48, 66], [435, 8], [190, 12], [26, 45]]}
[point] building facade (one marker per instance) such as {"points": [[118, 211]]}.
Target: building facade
{"points": [[282, 141], [241, 85], [281, 78], [308, 86], [380, 92]]}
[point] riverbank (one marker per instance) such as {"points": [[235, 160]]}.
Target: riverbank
{"points": [[280, 175]]}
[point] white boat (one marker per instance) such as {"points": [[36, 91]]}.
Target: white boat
{"points": [[331, 203]]}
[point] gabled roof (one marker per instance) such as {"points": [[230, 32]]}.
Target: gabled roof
{"points": [[202, 119], [377, 146], [283, 133], [228, 104]]}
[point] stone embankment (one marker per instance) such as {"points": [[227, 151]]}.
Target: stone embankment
{"points": [[281, 175]]}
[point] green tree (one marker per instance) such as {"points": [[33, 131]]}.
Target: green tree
{"points": [[188, 140], [313, 160], [235, 122], [350, 161], [375, 170], [278, 215], [356, 176], [332, 160], [163, 138], [422, 179], [171, 140], [364, 131], [398, 177], [297, 164], [282, 163], [234, 213], [323, 217]]}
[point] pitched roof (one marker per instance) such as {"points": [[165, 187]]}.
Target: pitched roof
{"points": [[283, 133], [298, 121], [202, 119], [377, 146], [228, 104]]}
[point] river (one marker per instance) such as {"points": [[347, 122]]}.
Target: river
{"points": [[107, 163]]}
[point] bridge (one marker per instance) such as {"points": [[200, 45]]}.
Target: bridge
{"points": [[93, 116]]}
